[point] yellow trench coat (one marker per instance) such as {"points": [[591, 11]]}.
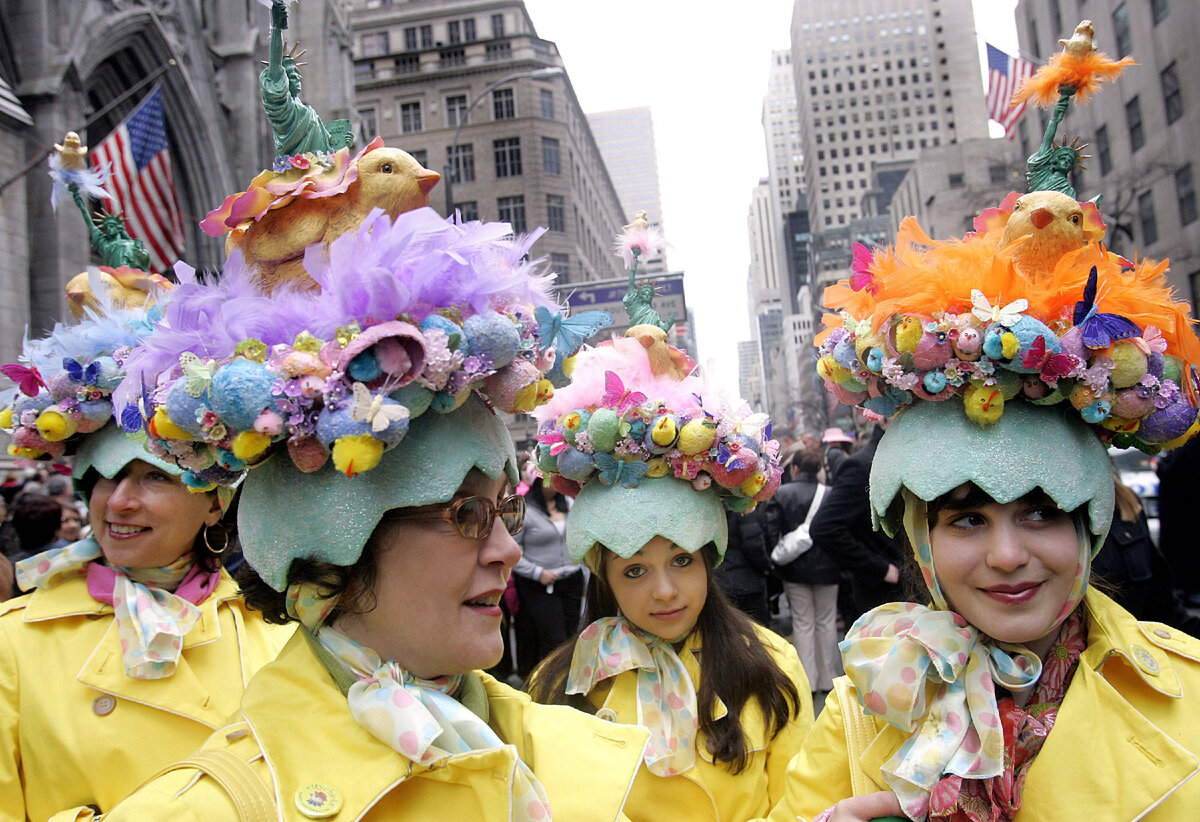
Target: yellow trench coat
{"points": [[709, 791], [296, 732], [1125, 745], [75, 730]]}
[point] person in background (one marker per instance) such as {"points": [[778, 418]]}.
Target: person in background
{"points": [[1134, 570], [1178, 491], [811, 580], [838, 445], [36, 518], [71, 527], [549, 585]]}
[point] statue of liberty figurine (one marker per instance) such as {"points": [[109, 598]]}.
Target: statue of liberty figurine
{"points": [[298, 128]]}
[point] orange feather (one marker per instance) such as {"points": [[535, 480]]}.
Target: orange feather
{"points": [[1083, 73]]}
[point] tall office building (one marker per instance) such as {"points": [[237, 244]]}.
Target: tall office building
{"points": [[1141, 131], [450, 82], [626, 141], [879, 80]]}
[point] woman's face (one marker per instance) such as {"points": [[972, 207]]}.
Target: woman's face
{"points": [[660, 589], [1008, 569], [145, 518], [72, 524], [437, 594]]}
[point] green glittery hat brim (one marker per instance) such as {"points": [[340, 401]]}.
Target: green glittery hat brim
{"points": [[109, 450], [932, 448], [625, 519], [325, 516]]}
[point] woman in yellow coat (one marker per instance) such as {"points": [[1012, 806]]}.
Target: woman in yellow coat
{"points": [[379, 517], [134, 644], [1011, 688], [654, 463]]}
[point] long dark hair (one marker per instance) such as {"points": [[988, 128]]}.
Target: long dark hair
{"points": [[535, 497], [734, 668]]}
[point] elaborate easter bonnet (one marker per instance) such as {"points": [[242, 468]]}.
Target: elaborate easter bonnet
{"points": [[999, 351], [648, 446]]}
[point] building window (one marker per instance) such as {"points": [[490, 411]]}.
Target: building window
{"points": [[454, 32], [1120, 20], [410, 39], [508, 156], [497, 51], [1103, 152], [365, 70], [1172, 98], [461, 159], [547, 103], [426, 37], [511, 210], [1185, 189], [410, 117], [453, 57], [375, 44], [956, 180], [497, 25], [369, 125], [1133, 118], [456, 110], [1158, 10], [503, 106], [560, 264], [420, 155], [997, 174], [469, 30], [1146, 218], [550, 156], [408, 64], [469, 210], [555, 218]]}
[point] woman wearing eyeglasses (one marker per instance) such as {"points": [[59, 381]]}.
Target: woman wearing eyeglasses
{"points": [[379, 516]]}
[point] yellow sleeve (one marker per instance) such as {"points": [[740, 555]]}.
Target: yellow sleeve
{"points": [[12, 795], [819, 775], [181, 796], [788, 741]]}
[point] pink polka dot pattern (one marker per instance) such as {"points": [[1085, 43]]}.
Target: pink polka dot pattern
{"points": [[420, 720], [666, 695]]}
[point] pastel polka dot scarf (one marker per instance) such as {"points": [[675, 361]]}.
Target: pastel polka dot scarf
{"points": [[414, 717], [893, 652], [666, 695], [154, 607]]}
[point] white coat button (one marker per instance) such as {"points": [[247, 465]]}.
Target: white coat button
{"points": [[607, 714], [1145, 660], [1162, 632], [103, 705]]}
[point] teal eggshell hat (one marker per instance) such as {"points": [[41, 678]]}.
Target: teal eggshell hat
{"points": [[109, 450], [286, 514], [624, 519], [932, 448]]}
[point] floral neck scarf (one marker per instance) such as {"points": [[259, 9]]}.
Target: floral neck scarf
{"points": [[417, 718], [893, 651], [155, 608], [666, 695]]}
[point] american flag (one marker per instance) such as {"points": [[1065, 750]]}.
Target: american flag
{"points": [[141, 183], [1004, 76]]}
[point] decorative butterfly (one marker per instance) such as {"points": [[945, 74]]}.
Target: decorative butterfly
{"points": [[986, 312], [860, 266], [27, 378], [567, 334], [1100, 330], [615, 395], [78, 373], [614, 471], [371, 408], [131, 418], [199, 373], [555, 440], [1053, 366]]}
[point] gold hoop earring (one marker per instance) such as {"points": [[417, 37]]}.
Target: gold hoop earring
{"points": [[208, 545]]}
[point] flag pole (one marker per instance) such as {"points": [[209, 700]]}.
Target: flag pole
{"points": [[116, 101]]}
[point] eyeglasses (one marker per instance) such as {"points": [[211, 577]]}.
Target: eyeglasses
{"points": [[473, 517]]}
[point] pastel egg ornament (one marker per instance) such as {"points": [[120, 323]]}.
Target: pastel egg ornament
{"points": [[1169, 423], [184, 410], [492, 336], [575, 465], [603, 428], [240, 391], [697, 435]]}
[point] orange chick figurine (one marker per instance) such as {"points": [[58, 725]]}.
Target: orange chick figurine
{"points": [[664, 359], [388, 178]]}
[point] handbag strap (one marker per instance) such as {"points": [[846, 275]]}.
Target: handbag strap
{"points": [[815, 504], [253, 801]]}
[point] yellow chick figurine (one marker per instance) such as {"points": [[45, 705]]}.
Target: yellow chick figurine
{"points": [[1052, 223], [1081, 43], [663, 358], [388, 178]]}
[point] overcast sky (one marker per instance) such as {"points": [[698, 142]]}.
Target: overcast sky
{"points": [[702, 69]]}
